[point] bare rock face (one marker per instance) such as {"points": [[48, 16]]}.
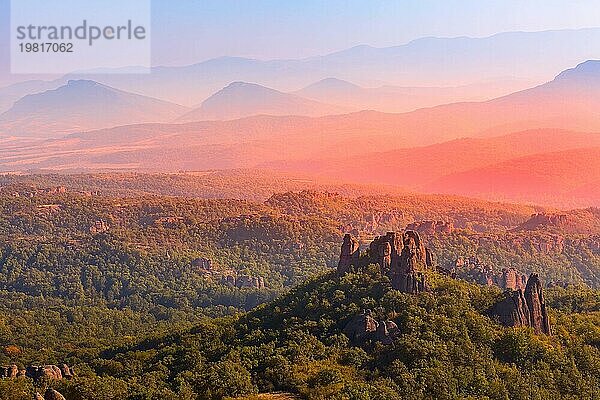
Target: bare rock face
{"points": [[361, 328], [534, 296], [98, 227], [52, 394], [202, 263], [67, 372], [364, 327], [512, 310], [349, 255], [512, 279], [403, 257], [244, 281], [51, 372], [542, 220], [11, 371], [430, 260], [430, 227], [527, 308]]}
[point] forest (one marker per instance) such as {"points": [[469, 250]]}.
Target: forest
{"points": [[156, 294]]}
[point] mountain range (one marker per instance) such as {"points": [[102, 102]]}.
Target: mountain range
{"points": [[241, 99], [82, 105]]}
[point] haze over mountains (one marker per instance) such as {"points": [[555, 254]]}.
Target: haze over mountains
{"points": [[241, 99], [529, 57], [474, 148], [82, 105]]}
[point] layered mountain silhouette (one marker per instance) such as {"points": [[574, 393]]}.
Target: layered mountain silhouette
{"points": [[532, 57], [10, 94], [82, 105], [461, 148], [396, 99], [241, 99]]}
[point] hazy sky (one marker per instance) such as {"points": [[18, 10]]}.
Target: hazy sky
{"points": [[188, 31]]}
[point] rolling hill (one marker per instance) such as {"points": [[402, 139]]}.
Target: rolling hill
{"points": [[79, 106], [419, 166], [241, 99], [397, 99], [550, 178]]}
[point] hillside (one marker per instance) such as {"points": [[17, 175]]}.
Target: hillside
{"points": [[564, 103], [550, 178], [241, 99], [443, 346], [79, 106], [429, 163]]}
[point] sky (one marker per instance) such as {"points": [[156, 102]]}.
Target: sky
{"points": [[190, 31]]}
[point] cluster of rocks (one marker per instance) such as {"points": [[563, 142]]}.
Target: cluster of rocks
{"points": [[431, 227], [544, 220], [202, 263], [244, 281], [38, 372], [404, 258], [508, 278], [401, 256], [363, 328], [524, 307], [98, 227]]}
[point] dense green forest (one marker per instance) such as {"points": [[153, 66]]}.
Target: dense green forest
{"points": [[103, 276]]}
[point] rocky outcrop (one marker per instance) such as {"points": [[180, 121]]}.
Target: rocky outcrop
{"points": [[523, 308], [52, 394], [11, 371], [534, 296], [512, 310], [35, 372], [202, 263], [403, 257], [244, 281], [98, 227], [430, 227], [544, 220], [349, 255], [363, 328], [512, 279]]}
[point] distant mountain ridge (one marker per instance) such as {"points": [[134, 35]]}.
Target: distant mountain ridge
{"points": [[532, 57], [81, 105], [242, 99]]}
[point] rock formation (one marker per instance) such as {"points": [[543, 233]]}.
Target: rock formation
{"points": [[11, 371], [431, 227], [349, 255], [363, 327], [202, 263], [52, 394], [527, 308], [98, 227], [403, 258], [534, 296], [512, 279], [244, 281], [542, 220]]}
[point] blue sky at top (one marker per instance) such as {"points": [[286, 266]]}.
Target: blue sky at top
{"points": [[188, 31]]}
